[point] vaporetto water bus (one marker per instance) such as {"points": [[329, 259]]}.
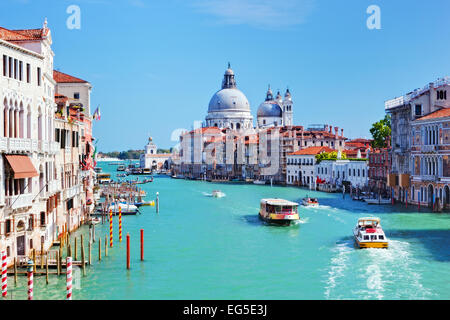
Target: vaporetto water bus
{"points": [[369, 234], [279, 211]]}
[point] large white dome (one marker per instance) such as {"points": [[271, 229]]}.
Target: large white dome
{"points": [[229, 100]]}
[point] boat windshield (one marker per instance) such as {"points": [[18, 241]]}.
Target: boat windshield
{"points": [[368, 223]]}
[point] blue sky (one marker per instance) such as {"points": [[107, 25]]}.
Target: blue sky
{"points": [[154, 65]]}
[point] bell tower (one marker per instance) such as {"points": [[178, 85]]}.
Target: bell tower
{"points": [[288, 113]]}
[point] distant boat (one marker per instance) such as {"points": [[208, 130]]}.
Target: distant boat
{"points": [[310, 202], [121, 168], [261, 182], [98, 169], [378, 201], [127, 209], [218, 194]]}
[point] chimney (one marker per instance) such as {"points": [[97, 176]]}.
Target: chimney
{"points": [[336, 130], [326, 127], [342, 133], [331, 128]]}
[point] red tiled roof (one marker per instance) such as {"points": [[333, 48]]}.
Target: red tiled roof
{"points": [[443, 113], [61, 77], [311, 151], [22, 35]]}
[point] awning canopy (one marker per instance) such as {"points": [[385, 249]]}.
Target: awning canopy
{"points": [[22, 166]]}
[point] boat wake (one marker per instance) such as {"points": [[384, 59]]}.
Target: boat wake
{"points": [[374, 273], [338, 266]]}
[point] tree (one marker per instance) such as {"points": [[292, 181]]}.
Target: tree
{"points": [[329, 156], [381, 131]]}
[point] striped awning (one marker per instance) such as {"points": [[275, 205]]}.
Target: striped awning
{"points": [[21, 166]]}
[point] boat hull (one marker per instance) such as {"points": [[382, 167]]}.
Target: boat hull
{"points": [[367, 245], [279, 222]]}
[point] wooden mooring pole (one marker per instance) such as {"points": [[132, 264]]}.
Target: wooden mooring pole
{"points": [[15, 271], [99, 249], [82, 256], [75, 251], [34, 260], [42, 255], [58, 260]]}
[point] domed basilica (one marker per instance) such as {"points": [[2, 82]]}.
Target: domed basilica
{"points": [[229, 108]]}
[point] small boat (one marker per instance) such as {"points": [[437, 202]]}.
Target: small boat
{"points": [[218, 194], [127, 209], [369, 234], [279, 212], [122, 175], [145, 204], [379, 201], [121, 168], [93, 221], [103, 178], [98, 169], [260, 182], [310, 202]]}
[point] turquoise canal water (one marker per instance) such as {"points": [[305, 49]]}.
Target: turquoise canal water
{"points": [[200, 247]]}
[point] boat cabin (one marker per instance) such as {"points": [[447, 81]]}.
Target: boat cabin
{"points": [[278, 206]]}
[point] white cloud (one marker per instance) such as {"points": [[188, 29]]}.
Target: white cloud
{"points": [[257, 13]]}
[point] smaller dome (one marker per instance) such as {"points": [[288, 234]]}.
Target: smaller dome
{"points": [[269, 109]]}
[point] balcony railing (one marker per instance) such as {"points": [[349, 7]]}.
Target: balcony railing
{"points": [[73, 191], [19, 201]]}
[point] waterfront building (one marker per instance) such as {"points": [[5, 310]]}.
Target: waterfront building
{"points": [[151, 159], [74, 135], [403, 111], [379, 169], [301, 166], [40, 193], [339, 172], [27, 166], [235, 144], [430, 159]]}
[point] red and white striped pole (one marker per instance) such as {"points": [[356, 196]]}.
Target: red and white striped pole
{"points": [[30, 279], [4, 275], [120, 224], [69, 278], [110, 228]]}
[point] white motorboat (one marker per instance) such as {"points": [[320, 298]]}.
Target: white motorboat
{"points": [[310, 202], [93, 221], [126, 208], [369, 234], [260, 182], [218, 194]]}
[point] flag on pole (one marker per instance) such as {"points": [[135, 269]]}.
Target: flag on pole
{"points": [[97, 115]]}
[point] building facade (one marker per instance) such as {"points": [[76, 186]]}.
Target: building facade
{"points": [[38, 173], [301, 166], [404, 111], [430, 159]]}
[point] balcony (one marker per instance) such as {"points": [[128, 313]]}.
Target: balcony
{"points": [[18, 145], [44, 146], [429, 148], [73, 191], [19, 201]]}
